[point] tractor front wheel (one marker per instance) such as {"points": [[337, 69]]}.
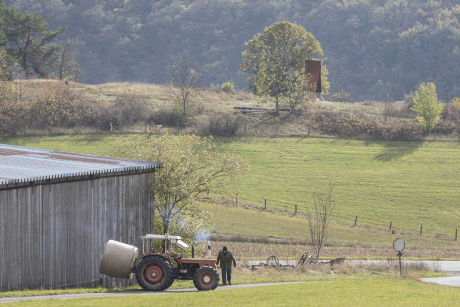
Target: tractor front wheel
{"points": [[206, 278], [154, 273]]}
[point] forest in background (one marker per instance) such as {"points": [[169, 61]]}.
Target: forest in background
{"points": [[374, 48]]}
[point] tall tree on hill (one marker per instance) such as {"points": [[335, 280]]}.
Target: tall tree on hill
{"points": [[275, 59], [28, 40]]}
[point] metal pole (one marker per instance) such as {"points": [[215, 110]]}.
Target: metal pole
{"points": [[400, 266], [265, 203], [356, 220], [455, 234], [421, 228], [390, 227]]}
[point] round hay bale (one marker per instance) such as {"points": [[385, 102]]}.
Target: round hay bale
{"points": [[118, 259]]}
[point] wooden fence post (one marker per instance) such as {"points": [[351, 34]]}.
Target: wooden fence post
{"points": [[295, 210], [421, 228], [390, 227], [265, 204], [244, 128], [356, 220], [455, 234]]}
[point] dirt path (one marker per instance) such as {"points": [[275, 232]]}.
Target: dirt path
{"points": [[140, 292]]}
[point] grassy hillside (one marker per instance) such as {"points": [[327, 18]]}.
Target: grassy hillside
{"points": [[137, 107], [409, 184]]}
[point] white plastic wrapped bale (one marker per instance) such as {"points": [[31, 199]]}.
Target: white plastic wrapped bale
{"points": [[118, 259]]}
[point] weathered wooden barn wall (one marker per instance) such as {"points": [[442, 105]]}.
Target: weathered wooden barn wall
{"points": [[53, 236]]}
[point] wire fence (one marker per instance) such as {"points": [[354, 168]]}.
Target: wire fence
{"points": [[356, 221]]}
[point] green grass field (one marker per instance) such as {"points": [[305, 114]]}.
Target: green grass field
{"points": [[406, 183], [379, 292]]}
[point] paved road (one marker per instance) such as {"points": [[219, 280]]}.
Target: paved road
{"points": [[140, 292], [448, 267], [448, 281]]}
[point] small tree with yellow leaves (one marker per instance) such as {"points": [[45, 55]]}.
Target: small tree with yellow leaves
{"points": [[192, 171], [427, 107]]}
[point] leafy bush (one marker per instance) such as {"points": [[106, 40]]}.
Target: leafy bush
{"points": [[166, 118], [224, 124], [400, 110], [227, 87], [128, 109], [44, 105], [340, 96], [446, 127], [354, 126], [40, 106]]}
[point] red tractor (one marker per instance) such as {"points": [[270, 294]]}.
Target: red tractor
{"points": [[157, 270]]}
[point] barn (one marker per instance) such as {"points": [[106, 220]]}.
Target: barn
{"points": [[58, 209]]}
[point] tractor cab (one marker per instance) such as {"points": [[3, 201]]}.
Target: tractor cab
{"points": [[169, 244]]}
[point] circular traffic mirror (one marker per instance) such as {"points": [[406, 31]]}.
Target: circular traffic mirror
{"points": [[398, 244]]}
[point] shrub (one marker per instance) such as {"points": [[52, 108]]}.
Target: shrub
{"points": [[45, 105], [227, 87], [400, 110], [25, 105], [353, 126], [167, 118], [340, 96], [224, 124], [128, 109]]}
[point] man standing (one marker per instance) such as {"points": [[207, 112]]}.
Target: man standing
{"points": [[225, 258]]}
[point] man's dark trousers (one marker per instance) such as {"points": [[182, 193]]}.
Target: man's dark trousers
{"points": [[227, 274]]}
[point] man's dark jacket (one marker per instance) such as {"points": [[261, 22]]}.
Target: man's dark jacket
{"points": [[225, 260]]}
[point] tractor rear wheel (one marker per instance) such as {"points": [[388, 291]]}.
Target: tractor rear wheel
{"points": [[206, 278], [154, 273]]}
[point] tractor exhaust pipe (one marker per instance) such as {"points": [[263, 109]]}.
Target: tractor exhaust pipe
{"points": [[193, 250], [209, 249]]}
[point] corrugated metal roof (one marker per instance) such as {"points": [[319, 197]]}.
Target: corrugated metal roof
{"points": [[23, 164]]}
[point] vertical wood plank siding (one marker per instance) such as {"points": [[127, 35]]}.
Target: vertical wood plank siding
{"points": [[53, 236]]}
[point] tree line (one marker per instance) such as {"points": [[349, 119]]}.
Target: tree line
{"points": [[369, 44]]}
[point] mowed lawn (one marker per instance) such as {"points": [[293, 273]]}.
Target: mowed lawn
{"points": [[406, 183], [383, 292]]}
